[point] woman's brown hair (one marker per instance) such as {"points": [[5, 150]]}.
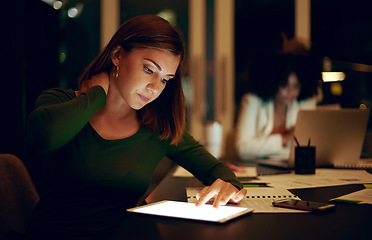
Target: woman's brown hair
{"points": [[166, 114]]}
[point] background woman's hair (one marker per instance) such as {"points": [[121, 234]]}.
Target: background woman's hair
{"points": [[166, 114], [270, 71]]}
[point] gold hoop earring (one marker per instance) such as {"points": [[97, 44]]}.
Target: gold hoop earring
{"points": [[117, 72]]}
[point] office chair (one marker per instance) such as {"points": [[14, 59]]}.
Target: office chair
{"points": [[18, 196]]}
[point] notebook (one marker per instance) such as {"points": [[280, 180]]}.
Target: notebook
{"points": [[338, 136], [260, 199]]}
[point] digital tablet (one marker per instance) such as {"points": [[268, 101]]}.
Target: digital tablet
{"points": [[186, 210]]}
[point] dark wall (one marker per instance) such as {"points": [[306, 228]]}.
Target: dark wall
{"points": [[30, 65]]}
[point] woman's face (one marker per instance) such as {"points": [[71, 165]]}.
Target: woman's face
{"points": [[143, 75], [287, 94]]}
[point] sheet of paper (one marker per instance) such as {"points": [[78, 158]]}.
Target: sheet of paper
{"points": [[260, 199], [321, 178], [249, 172], [363, 196]]}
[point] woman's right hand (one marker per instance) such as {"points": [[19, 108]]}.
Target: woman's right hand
{"points": [[102, 79]]}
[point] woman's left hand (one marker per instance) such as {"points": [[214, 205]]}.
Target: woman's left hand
{"points": [[222, 192]]}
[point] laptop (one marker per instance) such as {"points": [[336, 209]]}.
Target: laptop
{"points": [[338, 136]]}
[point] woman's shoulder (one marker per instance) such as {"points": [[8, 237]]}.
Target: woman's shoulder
{"points": [[253, 99], [59, 92]]}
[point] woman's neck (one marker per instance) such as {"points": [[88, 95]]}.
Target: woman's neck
{"points": [[117, 119], [280, 107], [280, 116], [115, 125]]}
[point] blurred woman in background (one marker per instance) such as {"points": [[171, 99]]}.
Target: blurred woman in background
{"points": [[280, 86]]}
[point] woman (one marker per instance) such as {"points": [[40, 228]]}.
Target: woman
{"points": [[281, 85], [104, 140]]}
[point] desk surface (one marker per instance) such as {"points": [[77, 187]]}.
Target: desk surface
{"points": [[348, 221]]}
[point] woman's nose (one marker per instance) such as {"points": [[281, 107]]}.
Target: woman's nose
{"points": [[153, 87]]}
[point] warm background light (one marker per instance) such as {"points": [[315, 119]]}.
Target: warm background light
{"points": [[333, 76]]}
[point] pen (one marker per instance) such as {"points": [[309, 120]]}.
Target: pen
{"points": [[274, 173], [347, 200], [296, 141], [253, 184], [308, 143]]}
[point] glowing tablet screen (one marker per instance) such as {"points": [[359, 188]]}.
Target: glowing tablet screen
{"points": [[190, 211]]}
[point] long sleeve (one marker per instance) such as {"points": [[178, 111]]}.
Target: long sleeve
{"points": [[255, 123], [59, 115], [191, 155]]}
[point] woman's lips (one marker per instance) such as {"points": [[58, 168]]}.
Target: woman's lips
{"points": [[145, 99]]}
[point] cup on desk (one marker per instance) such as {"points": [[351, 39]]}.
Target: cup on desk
{"points": [[305, 160]]}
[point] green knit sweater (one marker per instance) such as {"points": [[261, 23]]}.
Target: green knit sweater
{"points": [[90, 181]]}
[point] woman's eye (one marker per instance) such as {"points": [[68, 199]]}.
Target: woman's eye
{"points": [[165, 81], [147, 70]]}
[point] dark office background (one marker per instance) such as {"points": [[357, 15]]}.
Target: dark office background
{"points": [[44, 49], [29, 65], [340, 30]]}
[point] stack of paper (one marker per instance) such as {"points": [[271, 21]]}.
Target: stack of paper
{"points": [[249, 172], [260, 199]]}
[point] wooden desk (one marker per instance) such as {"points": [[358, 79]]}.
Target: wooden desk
{"points": [[348, 221]]}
